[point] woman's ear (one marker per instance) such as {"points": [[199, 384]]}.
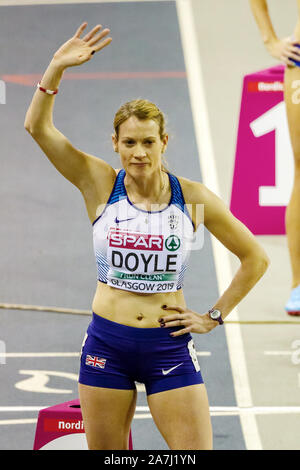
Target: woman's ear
{"points": [[165, 143], [115, 143]]}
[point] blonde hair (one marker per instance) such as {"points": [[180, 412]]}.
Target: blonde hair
{"points": [[142, 109]]}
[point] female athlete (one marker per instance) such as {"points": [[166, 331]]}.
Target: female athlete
{"points": [[287, 50], [144, 221]]}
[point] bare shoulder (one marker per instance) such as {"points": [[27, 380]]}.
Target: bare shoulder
{"points": [[195, 198], [100, 172], [219, 220], [201, 199], [197, 193], [99, 179], [193, 191]]}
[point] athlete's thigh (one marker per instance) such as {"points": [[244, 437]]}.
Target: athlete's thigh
{"points": [[182, 417], [107, 414], [292, 102]]}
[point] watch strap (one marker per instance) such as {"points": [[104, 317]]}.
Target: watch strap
{"points": [[219, 319]]}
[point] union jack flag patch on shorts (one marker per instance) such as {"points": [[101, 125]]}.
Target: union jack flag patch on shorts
{"points": [[95, 361]]}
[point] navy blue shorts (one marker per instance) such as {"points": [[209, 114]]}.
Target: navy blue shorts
{"points": [[117, 356]]}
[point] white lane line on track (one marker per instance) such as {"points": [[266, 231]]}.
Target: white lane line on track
{"points": [[208, 169], [213, 409], [62, 2], [63, 354], [40, 354], [143, 412], [19, 409], [5, 422], [278, 353]]}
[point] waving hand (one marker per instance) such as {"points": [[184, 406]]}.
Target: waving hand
{"points": [[78, 50]]}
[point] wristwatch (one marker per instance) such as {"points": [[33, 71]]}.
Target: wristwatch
{"points": [[215, 315]]}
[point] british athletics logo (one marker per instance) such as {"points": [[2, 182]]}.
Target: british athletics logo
{"points": [[95, 361]]}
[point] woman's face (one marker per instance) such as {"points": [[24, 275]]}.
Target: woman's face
{"points": [[139, 145]]}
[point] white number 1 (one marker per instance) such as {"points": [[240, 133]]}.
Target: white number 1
{"points": [[275, 119]]}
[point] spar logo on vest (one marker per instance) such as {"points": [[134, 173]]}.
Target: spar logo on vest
{"points": [[143, 253], [172, 243]]}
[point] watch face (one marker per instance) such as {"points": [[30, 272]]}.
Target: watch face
{"points": [[215, 314]]}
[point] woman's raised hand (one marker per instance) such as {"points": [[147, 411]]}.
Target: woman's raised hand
{"points": [[78, 50]]}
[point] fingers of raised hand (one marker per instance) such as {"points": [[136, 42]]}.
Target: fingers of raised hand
{"points": [[94, 39], [80, 29], [90, 37], [101, 45]]}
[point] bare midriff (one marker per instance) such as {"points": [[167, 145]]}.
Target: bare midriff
{"points": [[131, 309]]}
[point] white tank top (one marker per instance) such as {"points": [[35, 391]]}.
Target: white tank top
{"points": [[142, 251]]}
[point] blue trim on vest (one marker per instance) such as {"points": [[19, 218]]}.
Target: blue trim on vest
{"points": [[119, 192], [113, 197], [177, 197]]}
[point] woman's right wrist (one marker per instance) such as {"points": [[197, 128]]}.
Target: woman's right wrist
{"points": [[56, 64], [53, 75]]}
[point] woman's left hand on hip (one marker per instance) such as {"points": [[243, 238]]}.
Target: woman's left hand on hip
{"points": [[191, 321]]}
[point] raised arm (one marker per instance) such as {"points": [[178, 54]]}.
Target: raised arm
{"points": [[83, 170], [281, 49]]}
